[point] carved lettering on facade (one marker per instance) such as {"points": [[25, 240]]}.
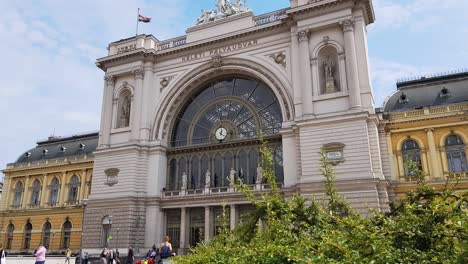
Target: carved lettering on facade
{"points": [[219, 51], [126, 49]]}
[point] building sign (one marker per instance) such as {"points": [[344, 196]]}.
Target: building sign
{"points": [[126, 49], [220, 51]]}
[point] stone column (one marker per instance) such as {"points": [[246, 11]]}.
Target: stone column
{"points": [[351, 64], [391, 157], [289, 157], [233, 216], [427, 165], [306, 74], [147, 86], [183, 228], [434, 157], [296, 75], [63, 188], [26, 193], [106, 112], [44, 190], [443, 157], [136, 107], [83, 185], [207, 223], [401, 166], [315, 77]]}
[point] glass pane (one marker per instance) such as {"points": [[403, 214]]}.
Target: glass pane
{"points": [[228, 165], [195, 173], [253, 163], [218, 172], [171, 183], [242, 166], [205, 166]]}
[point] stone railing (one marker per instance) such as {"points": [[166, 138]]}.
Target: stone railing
{"points": [[270, 17], [429, 111], [214, 191], [172, 43]]}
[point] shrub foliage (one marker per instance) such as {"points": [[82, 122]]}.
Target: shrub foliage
{"points": [[425, 226]]}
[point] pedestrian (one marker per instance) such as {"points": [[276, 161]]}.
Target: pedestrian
{"points": [[130, 255], [117, 256], [68, 256], [2, 255], [104, 256], [165, 249], [85, 258], [40, 254]]}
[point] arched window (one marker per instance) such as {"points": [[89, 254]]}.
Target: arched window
{"points": [[456, 155], [242, 166], [411, 151], [36, 194], [66, 234], [27, 236], [218, 176], [278, 159], [106, 229], [195, 172], [9, 239], [228, 164], [124, 109], [172, 181], [73, 190], [253, 163], [54, 191], [18, 195], [46, 234]]}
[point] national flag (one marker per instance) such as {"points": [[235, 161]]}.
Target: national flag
{"points": [[144, 19]]}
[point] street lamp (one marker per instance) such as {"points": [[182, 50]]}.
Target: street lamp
{"points": [[84, 203]]}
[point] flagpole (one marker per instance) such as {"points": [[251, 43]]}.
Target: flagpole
{"points": [[138, 21]]}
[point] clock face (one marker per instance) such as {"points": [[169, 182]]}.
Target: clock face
{"points": [[221, 133]]}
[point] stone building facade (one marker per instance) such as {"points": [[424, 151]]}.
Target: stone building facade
{"points": [[43, 197], [181, 116], [426, 120]]}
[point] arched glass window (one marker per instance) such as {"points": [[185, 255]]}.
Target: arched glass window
{"points": [[18, 195], [106, 229], [411, 151], [66, 234], [36, 194], [182, 170], [218, 171], [73, 190], [228, 164], [205, 167], [46, 234], [242, 166], [172, 181], [278, 159], [54, 191], [9, 239], [253, 164], [456, 155], [195, 172], [27, 236]]}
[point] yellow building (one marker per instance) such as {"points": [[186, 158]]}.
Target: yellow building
{"points": [[45, 193], [426, 120]]}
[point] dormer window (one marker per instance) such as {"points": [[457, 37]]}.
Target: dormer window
{"points": [[445, 93], [82, 146], [63, 149], [45, 151], [27, 154], [403, 99]]}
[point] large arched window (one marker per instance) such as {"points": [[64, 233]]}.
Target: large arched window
{"points": [[27, 236], [66, 234], [54, 191], [456, 155], [218, 131], [18, 195], [36, 194], [410, 151], [46, 234], [9, 238], [73, 190]]}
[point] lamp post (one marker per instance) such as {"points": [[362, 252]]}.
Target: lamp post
{"points": [[84, 203]]}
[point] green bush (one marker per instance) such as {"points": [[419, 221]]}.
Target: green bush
{"points": [[426, 226]]}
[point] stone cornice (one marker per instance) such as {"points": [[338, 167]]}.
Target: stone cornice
{"points": [[42, 165]]}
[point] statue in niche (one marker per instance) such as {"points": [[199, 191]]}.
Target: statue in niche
{"points": [[259, 174], [232, 176], [329, 70], [125, 112], [208, 179], [184, 181]]}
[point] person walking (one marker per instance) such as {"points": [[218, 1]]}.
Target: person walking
{"points": [[165, 249], [130, 255], [2, 255], [68, 256], [104, 256], [40, 254]]}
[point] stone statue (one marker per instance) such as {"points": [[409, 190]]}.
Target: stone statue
{"points": [[208, 179], [259, 175], [184, 181], [329, 71], [224, 9], [125, 112], [222, 4], [205, 17], [232, 176]]}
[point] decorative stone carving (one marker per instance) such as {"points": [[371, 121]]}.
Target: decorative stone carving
{"points": [[216, 61], [112, 176], [165, 81], [279, 58], [110, 79], [139, 73], [208, 179], [303, 35], [232, 176], [348, 25], [184, 181], [329, 70], [124, 118], [225, 9]]}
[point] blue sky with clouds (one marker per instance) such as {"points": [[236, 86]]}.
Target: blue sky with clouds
{"points": [[50, 85]]}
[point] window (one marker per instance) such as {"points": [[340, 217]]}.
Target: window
{"points": [[46, 234], [173, 227], [27, 236], [36, 194], [456, 155], [106, 229], [73, 191], [9, 240], [66, 234], [18, 195], [411, 151], [54, 191]]}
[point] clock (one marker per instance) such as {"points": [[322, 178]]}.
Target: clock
{"points": [[221, 133]]}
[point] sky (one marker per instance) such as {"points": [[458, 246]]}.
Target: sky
{"points": [[51, 86]]}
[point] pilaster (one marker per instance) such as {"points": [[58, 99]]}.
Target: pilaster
{"points": [[106, 112], [136, 112], [83, 185], [207, 223], [352, 65], [296, 74], [392, 157], [44, 190], [289, 157], [306, 76], [26, 193], [147, 86], [434, 158], [183, 228], [63, 188]]}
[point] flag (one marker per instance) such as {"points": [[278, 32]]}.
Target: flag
{"points": [[144, 19]]}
